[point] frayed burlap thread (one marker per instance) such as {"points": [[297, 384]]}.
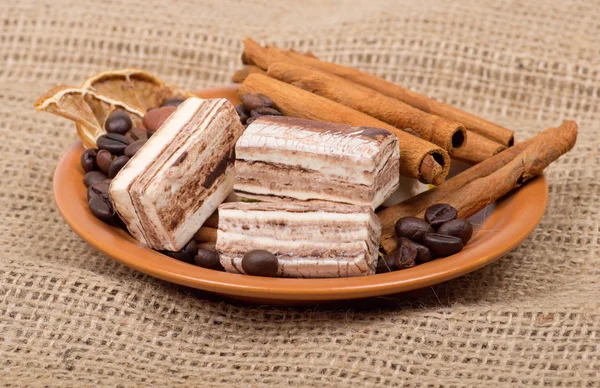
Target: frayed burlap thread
{"points": [[70, 316]]}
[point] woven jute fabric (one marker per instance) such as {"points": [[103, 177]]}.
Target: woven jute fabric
{"points": [[70, 316]]}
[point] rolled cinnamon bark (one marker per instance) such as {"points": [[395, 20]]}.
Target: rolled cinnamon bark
{"points": [[240, 75], [477, 149], [419, 203], [528, 164], [449, 135], [206, 234], [418, 158], [265, 56], [307, 54]]}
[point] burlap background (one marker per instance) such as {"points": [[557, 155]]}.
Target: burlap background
{"points": [[69, 316]]}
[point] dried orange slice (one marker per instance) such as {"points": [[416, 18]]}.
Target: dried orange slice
{"points": [[88, 110], [131, 90], [135, 88]]}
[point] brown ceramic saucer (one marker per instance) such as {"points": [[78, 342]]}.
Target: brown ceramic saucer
{"points": [[511, 221]]}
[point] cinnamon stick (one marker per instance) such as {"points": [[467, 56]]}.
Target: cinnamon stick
{"points": [[264, 57], [446, 134], [419, 203], [206, 234], [295, 102], [477, 149], [240, 75], [528, 164], [307, 54]]}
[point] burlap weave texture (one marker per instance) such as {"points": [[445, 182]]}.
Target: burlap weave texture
{"points": [[70, 316]]}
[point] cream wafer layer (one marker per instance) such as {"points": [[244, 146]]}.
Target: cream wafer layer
{"points": [[309, 240], [180, 176], [292, 159]]}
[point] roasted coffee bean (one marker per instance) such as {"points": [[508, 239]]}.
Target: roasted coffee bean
{"points": [[88, 159], [172, 102], [250, 120], [208, 259], [113, 143], [118, 122], [423, 253], [436, 215], [156, 117], [382, 267], [412, 228], [406, 254], [442, 245], [211, 246], [136, 134], [187, 254], [102, 209], [99, 189], [458, 228], [117, 165], [387, 263], [260, 263], [255, 101], [265, 112], [243, 113], [139, 134], [103, 160], [93, 177], [133, 148]]}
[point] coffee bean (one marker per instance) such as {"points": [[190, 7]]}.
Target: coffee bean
{"points": [[155, 118], [133, 148], [423, 253], [113, 143], [250, 120], [260, 263], [442, 245], [265, 112], [387, 263], [187, 254], [406, 254], [208, 259], [436, 215], [139, 133], [172, 102], [99, 189], [88, 159], [242, 113], [93, 177], [458, 228], [102, 209], [129, 137], [412, 228], [255, 101], [118, 122], [103, 160], [211, 246], [117, 165]]}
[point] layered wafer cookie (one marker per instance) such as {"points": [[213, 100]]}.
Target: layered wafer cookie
{"points": [[286, 158], [310, 240], [180, 176]]}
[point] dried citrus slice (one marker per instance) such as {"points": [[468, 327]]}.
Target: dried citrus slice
{"points": [[135, 88], [131, 90], [88, 110]]}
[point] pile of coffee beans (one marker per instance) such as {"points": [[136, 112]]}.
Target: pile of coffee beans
{"points": [[115, 148], [255, 105], [120, 143], [440, 234]]}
